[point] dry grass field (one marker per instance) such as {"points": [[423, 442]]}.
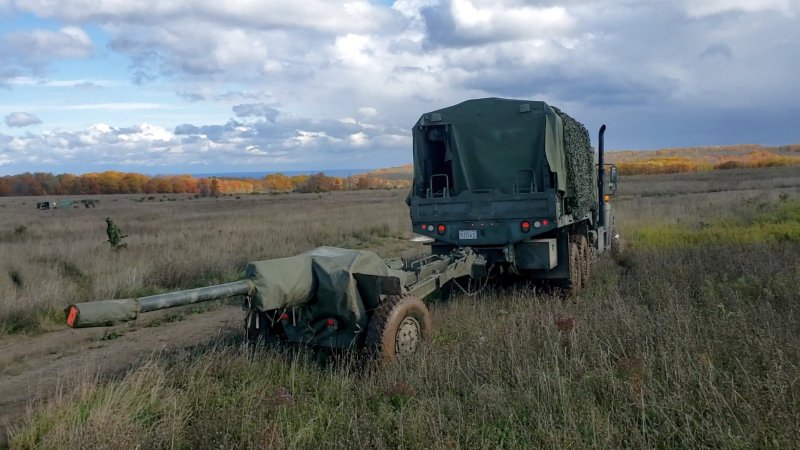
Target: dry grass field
{"points": [[691, 338], [52, 258]]}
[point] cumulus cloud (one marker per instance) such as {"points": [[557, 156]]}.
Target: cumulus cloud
{"points": [[79, 83], [717, 50], [313, 78], [209, 37], [191, 96], [21, 119], [256, 110], [319, 15], [278, 139], [99, 144], [470, 22], [239, 96], [712, 7], [368, 111], [32, 51]]}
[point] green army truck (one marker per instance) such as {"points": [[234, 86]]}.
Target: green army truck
{"points": [[516, 181]]}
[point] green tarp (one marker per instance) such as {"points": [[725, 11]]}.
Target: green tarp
{"points": [[489, 141], [325, 283]]}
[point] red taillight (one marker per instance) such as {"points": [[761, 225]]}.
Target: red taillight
{"points": [[545, 222], [441, 229], [424, 227], [285, 316], [526, 226], [331, 323]]}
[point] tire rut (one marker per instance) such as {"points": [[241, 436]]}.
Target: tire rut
{"points": [[33, 368]]}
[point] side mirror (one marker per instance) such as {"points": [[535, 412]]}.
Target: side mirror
{"points": [[612, 180]]}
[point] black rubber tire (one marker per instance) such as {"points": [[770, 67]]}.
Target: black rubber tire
{"points": [[586, 261], [382, 331], [575, 268]]}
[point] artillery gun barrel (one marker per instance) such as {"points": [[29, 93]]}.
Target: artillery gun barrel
{"points": [[109, 312], [204, 294]]}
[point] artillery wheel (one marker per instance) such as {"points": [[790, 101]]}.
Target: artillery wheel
{"points": [[575, 266], [586, 260], [398, 326]]}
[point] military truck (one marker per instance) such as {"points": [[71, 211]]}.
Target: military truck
{"points": [[47, 204], [516, 182]]}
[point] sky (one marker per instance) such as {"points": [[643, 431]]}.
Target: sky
{"points": [[209, 86]]}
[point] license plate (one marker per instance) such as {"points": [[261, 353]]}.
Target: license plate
{"points": [[468, 234]]}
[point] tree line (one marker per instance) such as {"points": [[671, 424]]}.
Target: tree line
{"points": [[113, 182], [678, 164]]}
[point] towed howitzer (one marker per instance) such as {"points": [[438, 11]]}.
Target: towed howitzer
{"points": [[327, 297]]}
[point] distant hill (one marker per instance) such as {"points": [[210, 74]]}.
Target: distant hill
{"points": [[689, 159], [668, 160], [712, 154], [342, 173], [405, 172]]}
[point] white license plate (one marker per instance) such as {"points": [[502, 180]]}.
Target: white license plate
{"points": [[468, 234]]}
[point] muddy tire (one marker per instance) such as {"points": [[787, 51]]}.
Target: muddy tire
{"points": [[586, 260], [575, 267], [398, 327]]}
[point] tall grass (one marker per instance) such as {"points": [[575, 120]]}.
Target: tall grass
{"points": [[695, 344], [665, 353], [776, 224], [60, 256]]}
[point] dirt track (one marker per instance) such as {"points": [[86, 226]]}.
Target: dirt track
{"points": [[33, 367]]}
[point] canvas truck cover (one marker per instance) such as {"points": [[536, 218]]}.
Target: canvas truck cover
{"points": [[324, 283], [491, 139]]}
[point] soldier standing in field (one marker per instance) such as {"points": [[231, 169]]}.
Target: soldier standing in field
{"points": [[115, 236]]}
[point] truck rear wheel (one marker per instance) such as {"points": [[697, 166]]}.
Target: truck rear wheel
{"points": [[575, 266], [398, 327], [586, 261]]}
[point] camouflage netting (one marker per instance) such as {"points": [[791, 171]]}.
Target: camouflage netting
{"points": [[581, 195]]}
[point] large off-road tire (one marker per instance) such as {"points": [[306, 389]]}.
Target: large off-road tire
{"points": [[575, 267], [586, 260], [398, 327]]}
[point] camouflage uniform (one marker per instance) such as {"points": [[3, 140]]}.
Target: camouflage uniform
{"points": [[114, 235]]}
